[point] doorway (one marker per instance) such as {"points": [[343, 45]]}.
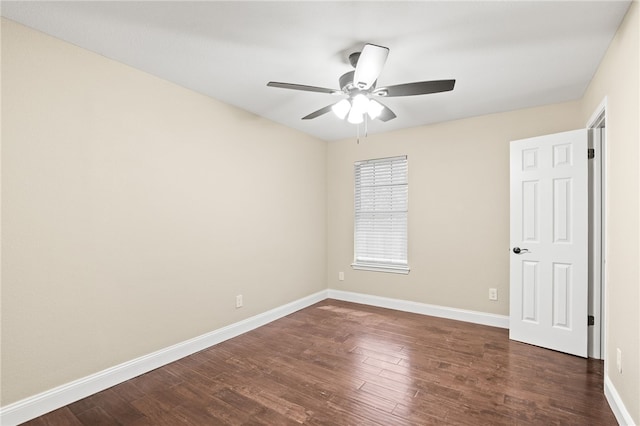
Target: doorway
{"points": [[565, 248]]}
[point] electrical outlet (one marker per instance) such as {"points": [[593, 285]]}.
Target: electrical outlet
{"points": [[619, 360], [341, 276], [493, 294], [239, 301]]}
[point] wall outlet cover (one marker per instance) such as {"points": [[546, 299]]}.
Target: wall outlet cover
{"points": [[493, 294]]}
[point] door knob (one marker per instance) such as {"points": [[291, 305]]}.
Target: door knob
{"points": [[518, 250]]}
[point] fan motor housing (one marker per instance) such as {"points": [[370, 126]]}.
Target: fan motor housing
{"points": [[346, 82], [353, 58]]}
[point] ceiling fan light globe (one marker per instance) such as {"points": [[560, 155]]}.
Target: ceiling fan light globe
{"points": [[355, 117], [374, 109], [341, 109], [359, 104]]}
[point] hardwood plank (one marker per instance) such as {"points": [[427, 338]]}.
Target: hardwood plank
{"points": [[227, 414], [109, 401], [97, 416], [60, 417], [340, 363], [414, 416]]}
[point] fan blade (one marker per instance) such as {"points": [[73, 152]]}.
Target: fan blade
{"points": [[318, 113], [417, 88], [302, 87], [369, 65], [386, 113]]}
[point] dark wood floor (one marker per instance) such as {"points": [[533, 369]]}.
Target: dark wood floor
{"points": [[338, 363]]}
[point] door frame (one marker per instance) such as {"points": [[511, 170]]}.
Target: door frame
{"points": [[598, 233]]}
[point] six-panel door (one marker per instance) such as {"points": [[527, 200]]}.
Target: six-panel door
{"points": [[549, 225]]}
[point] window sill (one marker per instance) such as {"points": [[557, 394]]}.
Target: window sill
{"points": [[392, 269]]}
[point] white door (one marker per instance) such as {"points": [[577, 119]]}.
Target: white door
{"points": [[549, 244]]}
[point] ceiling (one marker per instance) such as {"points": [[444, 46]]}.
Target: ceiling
{"points": [[504, 55]]}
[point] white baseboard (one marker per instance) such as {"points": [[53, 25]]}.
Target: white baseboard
{"points": [[615, 402], [475, 317], [37, 405]]}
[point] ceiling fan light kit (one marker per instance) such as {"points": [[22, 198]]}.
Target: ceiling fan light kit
{"points": [[360, 87]]}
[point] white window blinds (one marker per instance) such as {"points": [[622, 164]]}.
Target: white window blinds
{"points": [[381, 206]]}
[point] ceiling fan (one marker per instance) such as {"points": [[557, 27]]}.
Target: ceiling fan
{"points": [[360, 87]]}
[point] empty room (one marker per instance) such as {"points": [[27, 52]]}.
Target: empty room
{"points": [[320, 213]]}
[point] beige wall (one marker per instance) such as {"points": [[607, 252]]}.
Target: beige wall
{"points": [[135, 210], [618, 79], [458, 207]]}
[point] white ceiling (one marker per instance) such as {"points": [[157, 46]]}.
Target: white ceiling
{"points": [[505, 55]]}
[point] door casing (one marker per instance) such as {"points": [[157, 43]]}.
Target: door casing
{"points": [[598, 231]]}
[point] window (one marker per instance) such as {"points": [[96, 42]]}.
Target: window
{"points": [[381, 206]]}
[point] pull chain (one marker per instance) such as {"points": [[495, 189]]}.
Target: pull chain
{"points": [[366, 129], [366, 125]]}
